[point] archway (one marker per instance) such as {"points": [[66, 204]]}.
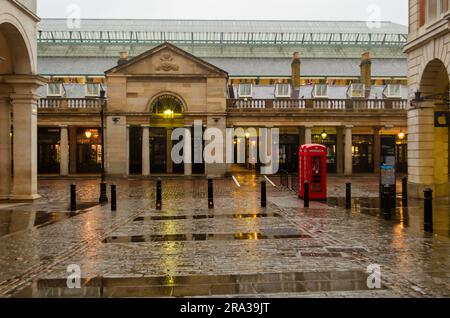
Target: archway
{"points": [[429, 123], [18, 85], [167, 111]]}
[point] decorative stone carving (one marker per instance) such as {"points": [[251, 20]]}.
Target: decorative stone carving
{"points": [[167, 63]]}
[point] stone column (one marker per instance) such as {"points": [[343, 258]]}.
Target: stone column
{"points": [[301, 136], [348, 151], [25, 146], [169, 144], [187, 151], [308, 135], [340, 150], [5, 147], [376, 149], [64, 145], [146, 151], [127, 149]]}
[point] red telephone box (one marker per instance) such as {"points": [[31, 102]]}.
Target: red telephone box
{"points": [[313, 168]]}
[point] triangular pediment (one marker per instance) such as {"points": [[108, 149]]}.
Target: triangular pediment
{"points": [[167, 59]]}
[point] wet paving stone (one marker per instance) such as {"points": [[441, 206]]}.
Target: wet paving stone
{"points": [[202, 285], [206, 216], [201, 237]]}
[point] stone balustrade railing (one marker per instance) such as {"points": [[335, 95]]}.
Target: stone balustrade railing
{"points": [[321, 104], [69, 103]]}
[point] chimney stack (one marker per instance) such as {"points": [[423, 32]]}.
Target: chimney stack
{"points": [[123, 58], [366, 71], [295, 69]]}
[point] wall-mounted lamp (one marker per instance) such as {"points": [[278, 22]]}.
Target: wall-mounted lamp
{"points": [[88, 134], [324, 135], [401, 135]]}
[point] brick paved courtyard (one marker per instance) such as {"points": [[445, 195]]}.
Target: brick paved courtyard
{"points": [[235, 249]]}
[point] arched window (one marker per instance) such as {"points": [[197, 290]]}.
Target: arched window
{"points": [[167, 106]]}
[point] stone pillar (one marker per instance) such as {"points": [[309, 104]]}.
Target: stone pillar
{"points": [[5, 148], [116, 145], [348, 151], [25, 146], [308, 135], [146, 151], [187, 151], [427, 152], [169, 144], [128, 151], [377, 149], [340, 150], [64, 145], [73, 150], [217, 169], [301, 136]]}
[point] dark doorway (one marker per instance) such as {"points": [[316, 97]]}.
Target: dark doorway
{"points": [[363, 154], [89, 150], [49, 150], [198, 167], [402, 156], [135, 150], [158, 150], [289, 148]]}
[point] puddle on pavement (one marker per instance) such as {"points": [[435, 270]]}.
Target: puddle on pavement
{"points": [[202, 237], [202, 285], [408, 217], [206, 216], [12, 221]]}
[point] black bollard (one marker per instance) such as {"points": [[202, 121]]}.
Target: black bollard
{"points": [[159, 194], [210, 194], [113, 197], [405, 191], [103, 197], [263, 194], [387, 202], [348, 195], [73, 197], [306, 195], [428, 210]]}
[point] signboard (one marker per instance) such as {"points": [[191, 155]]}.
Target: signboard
{"points": [[441, 119], [388, 169]]}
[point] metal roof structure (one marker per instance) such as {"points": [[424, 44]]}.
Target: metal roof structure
{"points": [[221, 32]]}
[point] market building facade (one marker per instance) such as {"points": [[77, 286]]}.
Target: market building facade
{"points": [[340, 84]]}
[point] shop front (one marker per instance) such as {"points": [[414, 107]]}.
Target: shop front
{"points": [[49, 150]]}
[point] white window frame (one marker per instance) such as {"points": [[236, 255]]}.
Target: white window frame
{"points": [[316, 89], [87, 91], [52, 94], [390, 95], [242, 94], [277, 90], [352, 90]]}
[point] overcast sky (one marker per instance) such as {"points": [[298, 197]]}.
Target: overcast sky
{"points": [[353, 10]]}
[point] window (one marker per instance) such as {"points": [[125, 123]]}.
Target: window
{"points": [[321, 90], [282, 90], [54, 89], [92, 89], [394, 90], [245, 90], [357, 90], [434, 9]]}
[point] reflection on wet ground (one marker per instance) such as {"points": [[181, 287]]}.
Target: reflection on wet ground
{"points": [[12, 221], [200, 237], [206, 216], [202, 285], [407, 216]]}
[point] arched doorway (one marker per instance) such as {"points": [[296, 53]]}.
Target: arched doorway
{"points": [[429, 136]]}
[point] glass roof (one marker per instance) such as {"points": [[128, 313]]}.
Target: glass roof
{"points": [[220, 32]]}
